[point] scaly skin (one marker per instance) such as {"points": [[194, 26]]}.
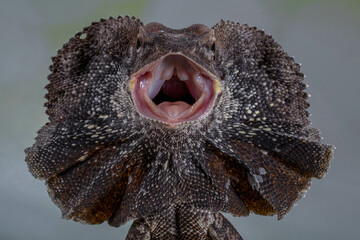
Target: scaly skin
{"points": [[103, 161]]}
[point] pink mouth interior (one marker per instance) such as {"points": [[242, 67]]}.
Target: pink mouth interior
{"points": [[173, 89]]}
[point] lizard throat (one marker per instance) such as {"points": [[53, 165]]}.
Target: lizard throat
{"points": [[174, 90]]}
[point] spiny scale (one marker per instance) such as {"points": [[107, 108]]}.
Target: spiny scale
{"points": [[103, 161]]}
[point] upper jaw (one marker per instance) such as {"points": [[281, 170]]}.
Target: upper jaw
{"points": [[174, 89]]}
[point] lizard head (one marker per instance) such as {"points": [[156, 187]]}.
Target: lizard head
{"points": [[174, 79]]}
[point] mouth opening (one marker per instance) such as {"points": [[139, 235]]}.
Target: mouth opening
{"points": [[174, 89]]}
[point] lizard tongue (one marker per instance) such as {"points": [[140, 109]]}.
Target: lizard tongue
{"points": [[174, 109]]}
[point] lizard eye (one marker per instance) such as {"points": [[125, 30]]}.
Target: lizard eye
{"points": [[138, 43], [213, 47]]}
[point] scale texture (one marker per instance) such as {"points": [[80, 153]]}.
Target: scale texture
{"points": [[103, 161]]}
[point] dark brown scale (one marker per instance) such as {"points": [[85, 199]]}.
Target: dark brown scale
{"points": [[103, 161]]}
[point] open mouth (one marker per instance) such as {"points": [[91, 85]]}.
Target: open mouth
{"points": [[174, 89]]}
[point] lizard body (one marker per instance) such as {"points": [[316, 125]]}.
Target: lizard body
{"points": [[232, 136]]}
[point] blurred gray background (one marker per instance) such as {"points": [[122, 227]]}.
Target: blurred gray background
{"points": [[323, 35]]}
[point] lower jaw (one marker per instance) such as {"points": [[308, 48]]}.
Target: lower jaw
{"points": [[175, 113]]}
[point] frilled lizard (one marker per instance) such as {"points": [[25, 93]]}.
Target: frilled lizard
{"points": [[171, 127]]}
